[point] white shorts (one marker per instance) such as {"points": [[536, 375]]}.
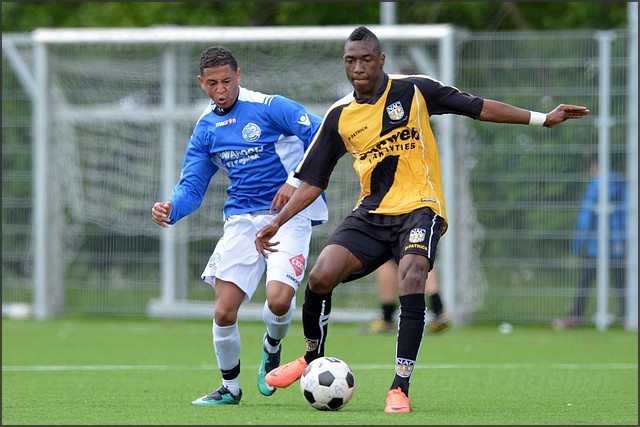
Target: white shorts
{"points": [[235, 258]]}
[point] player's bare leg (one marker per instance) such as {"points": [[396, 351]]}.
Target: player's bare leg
{"points": [[334, 263]]}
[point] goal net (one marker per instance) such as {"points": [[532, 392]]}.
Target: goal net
{"points": [[120, 106]]}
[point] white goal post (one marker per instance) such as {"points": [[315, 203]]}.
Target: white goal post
{"points": [[271, 58]]}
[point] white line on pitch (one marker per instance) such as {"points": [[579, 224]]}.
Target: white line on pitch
{"points": [[558, 366]]}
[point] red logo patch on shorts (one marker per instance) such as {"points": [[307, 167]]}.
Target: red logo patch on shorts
{"points": [[297, 262]]}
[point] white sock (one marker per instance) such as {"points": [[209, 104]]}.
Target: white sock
{"points": [[232, 385], [277, 326], [226, 343]]}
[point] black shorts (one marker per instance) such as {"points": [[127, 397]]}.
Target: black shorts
{"points": [[375, 238]]}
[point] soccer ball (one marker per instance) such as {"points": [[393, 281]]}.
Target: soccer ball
{"points": [[327, 383]]}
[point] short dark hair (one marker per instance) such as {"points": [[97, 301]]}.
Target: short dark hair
{"points": [[217, 56], [362, 33]]}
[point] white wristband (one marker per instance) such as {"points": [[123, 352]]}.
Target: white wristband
{"points": [[292, 180], [537, 119]]}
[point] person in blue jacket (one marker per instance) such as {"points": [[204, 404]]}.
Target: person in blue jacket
{"points": [[586, 243], [258, 140]]}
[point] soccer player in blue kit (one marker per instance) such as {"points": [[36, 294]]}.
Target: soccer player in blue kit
{"points": [[258, 140], [384, 123]]}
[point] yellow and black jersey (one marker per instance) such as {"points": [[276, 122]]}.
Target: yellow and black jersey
{"points": [[390, 138]]}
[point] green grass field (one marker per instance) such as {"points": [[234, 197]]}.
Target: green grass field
{"points": [[105, 371]]}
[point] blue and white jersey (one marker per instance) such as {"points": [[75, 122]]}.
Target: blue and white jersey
{"points": [[258, 142]]}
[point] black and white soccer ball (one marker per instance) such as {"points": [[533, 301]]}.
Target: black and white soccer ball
{"points": [[327, 383]]}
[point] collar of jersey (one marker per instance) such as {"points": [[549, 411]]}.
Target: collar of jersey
{"points": [[378, 95], [222, 111]]}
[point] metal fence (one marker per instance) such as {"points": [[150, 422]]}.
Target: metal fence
{"points": [[513, 192]]}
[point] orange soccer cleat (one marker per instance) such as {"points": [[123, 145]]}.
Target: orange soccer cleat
{"points": [[285, 375], [397, 401]]}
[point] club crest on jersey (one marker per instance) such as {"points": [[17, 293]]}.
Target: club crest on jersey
{"points": [[251, 132], [395, 111], [417, 235]]}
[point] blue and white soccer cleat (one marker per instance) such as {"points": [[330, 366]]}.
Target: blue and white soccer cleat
{"points": [[221, 396], [269, 362]]}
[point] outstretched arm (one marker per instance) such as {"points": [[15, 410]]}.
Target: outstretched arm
{"points": [[301, 198], [499, 112]]}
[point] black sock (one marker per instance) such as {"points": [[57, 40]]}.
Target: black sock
{"points": [[315, 322], [272, 341], [231, 373], [388, 311], [436, 303], [410, 332]]}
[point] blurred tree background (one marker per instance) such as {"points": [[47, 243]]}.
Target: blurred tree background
{"points": [[475, 16]]}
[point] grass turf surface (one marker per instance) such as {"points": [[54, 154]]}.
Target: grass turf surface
{"points": [[105, 371]]}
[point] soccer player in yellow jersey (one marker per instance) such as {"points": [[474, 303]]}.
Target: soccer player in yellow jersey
{"points": [[400, 214]]}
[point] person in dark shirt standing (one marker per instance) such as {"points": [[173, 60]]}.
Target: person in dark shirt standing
{"points": [[387, 278]]}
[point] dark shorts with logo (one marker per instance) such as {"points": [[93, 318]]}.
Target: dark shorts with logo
{"points": [[375, 238]]}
